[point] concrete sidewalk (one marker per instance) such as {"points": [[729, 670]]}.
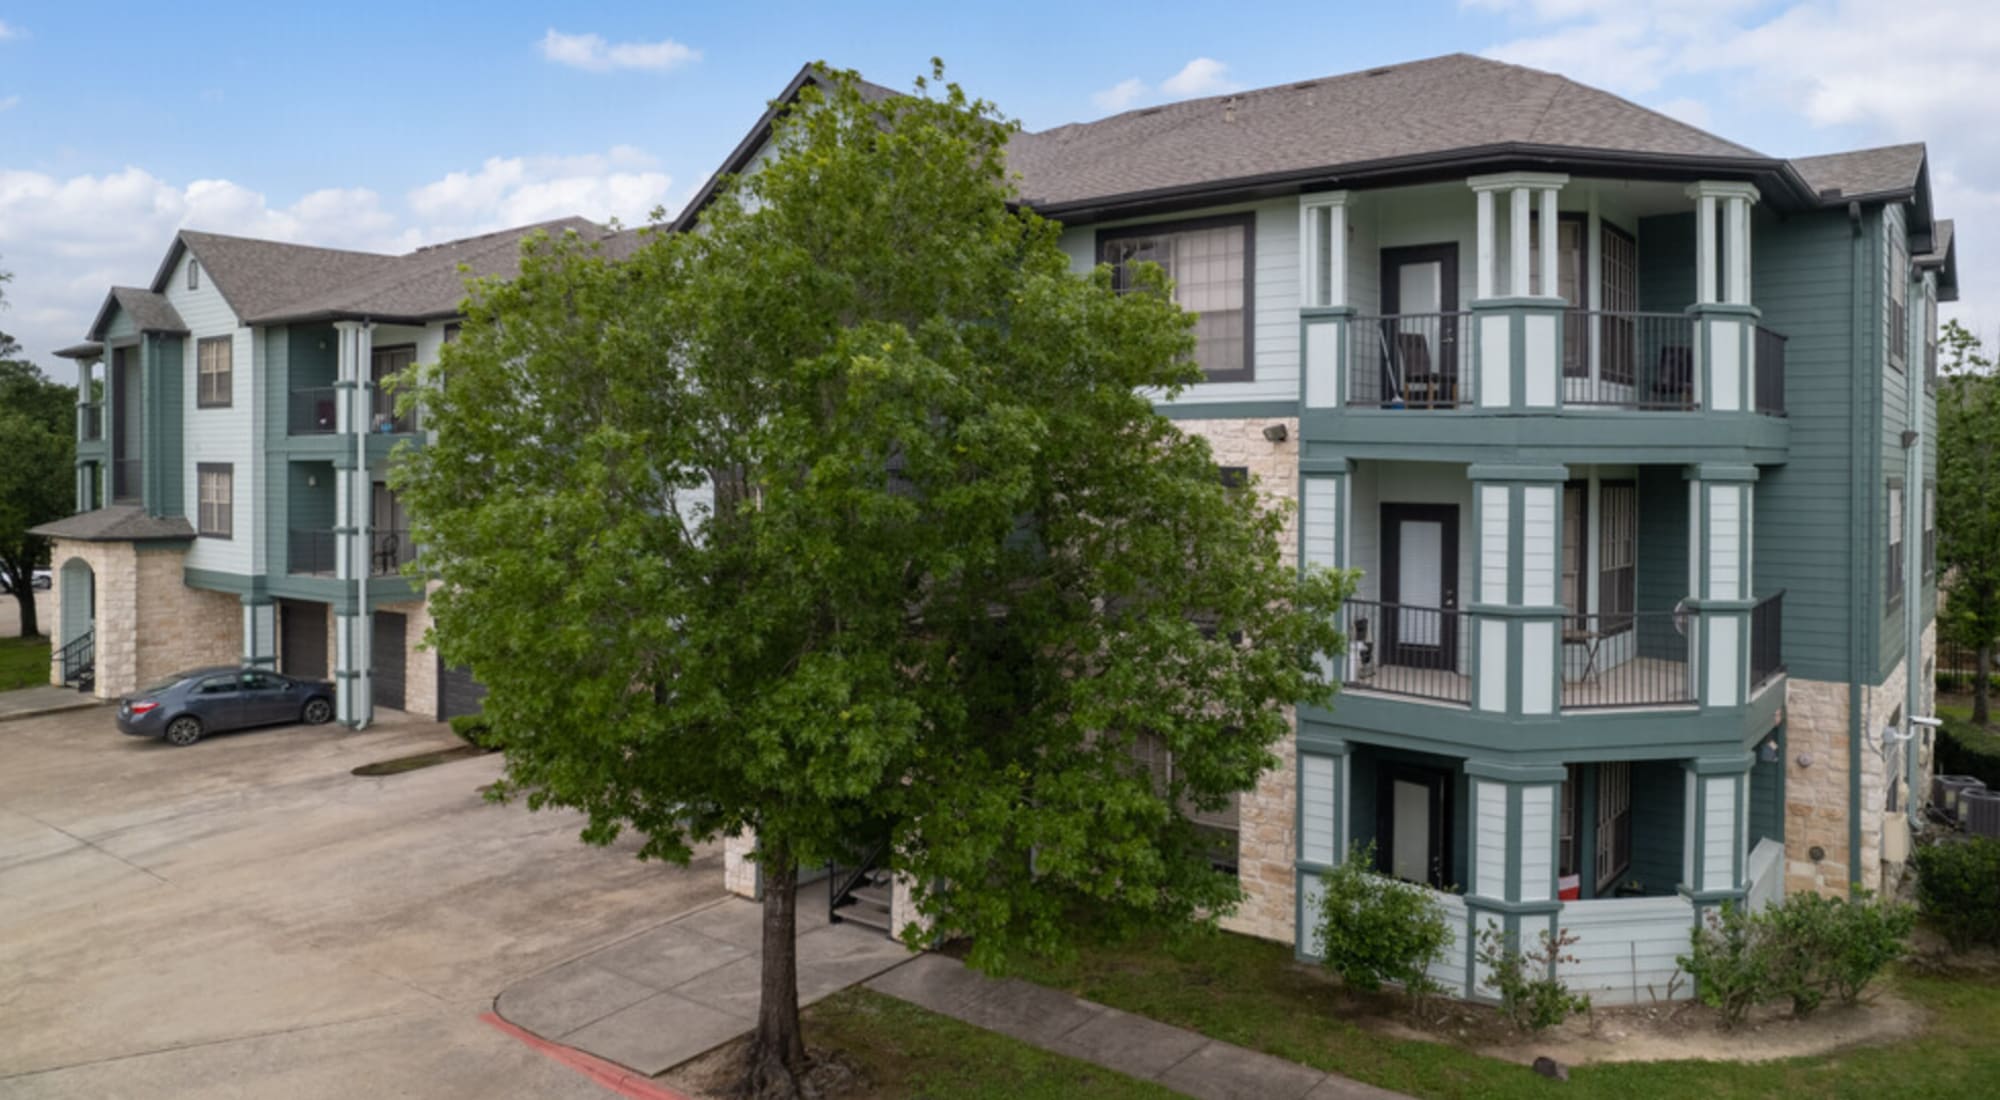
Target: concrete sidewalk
{"points": [[688, 986], [1175, 1057], [36, 701]]}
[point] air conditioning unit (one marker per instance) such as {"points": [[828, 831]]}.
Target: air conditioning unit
{"points": [[1945, 791], [1979, 811]]}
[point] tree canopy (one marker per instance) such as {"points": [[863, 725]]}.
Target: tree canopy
{"points": [[846, 518], [1968, 502], [38, 436]]}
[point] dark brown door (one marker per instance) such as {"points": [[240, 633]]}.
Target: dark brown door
{"points": [[1419, 338], [302, 639], [458, 692], [1420, 585], [390, 630]]}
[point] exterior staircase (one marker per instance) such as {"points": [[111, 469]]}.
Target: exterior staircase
{"points": [[78, 660], [860, 894]]}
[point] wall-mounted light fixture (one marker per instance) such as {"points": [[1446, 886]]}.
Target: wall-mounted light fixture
{"points": [[1767, 753], [1277, 433]]}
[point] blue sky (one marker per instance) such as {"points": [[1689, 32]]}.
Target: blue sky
{"points": [[388, 125]]}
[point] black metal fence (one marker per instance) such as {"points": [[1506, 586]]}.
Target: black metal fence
{"points": [[1625, 659], [1767, 639], [317, 551], [1410, 361], [314, 411], [1641, 360], [1770, 372], [1400, 649]]}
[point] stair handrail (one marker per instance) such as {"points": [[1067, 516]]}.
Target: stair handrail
{"points": [[78, 655], [839, 886]]}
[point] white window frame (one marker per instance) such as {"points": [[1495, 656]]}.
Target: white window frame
{"points": [[215, 489], [215, 375]]}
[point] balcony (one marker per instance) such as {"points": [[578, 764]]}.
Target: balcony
{"points": [[1610, 360], [313, 411], [90, 421], [315, 552]]}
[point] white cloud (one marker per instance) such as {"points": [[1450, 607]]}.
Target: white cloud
{"points": [[68, 239], [8, 103], [1852, 73], [1200, 77], [591, 53], [7, 31]]}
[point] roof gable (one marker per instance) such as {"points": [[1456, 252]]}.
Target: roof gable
{"points": [[150, 312], [255, 276]]}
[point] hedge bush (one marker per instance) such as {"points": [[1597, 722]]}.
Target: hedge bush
{"points": [[1533, 996], [475, 729], [1375, 929], [1802, 949], [1958, 889]]}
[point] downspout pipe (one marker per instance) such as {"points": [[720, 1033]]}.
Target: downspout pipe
{"points": [[1861, 502], [1915, 441], [364, 641]]}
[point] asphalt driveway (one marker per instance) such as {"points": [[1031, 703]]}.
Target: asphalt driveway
{"points": [[246, 918]]}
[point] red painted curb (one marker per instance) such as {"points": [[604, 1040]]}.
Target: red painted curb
{"points": [[612, 1076]]}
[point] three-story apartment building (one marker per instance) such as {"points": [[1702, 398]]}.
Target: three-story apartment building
{"points": [[234, 436], [1627, 428]]}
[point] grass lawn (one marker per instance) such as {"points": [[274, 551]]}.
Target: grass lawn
{"points": [[1250, 992], [905, 1051], [24, 662]]}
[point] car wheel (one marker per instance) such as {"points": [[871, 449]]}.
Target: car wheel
{"points": [[184, 731], [317, 712]]}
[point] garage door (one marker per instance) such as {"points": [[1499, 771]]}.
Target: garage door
{"points": [[458, 692], [390, 630], [302, 639]]}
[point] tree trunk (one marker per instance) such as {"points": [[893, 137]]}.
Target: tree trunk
{"points": [[25, 594], [778, 1048], [1982, 684]]}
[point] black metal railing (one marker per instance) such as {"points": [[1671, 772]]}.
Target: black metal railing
{"points": [[1629, 360], [127, 477], [1770, 372], [77, 658], [841, 880], [90, 421], [390, 549], [1626, 659], [1399, 649], [314, 411], [312, 550], [1767, 639], [1410, 361], [383, 416]]}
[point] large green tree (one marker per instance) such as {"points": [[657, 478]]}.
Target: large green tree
{"points": [[1968, 503], [955, 566], [38, 438]]}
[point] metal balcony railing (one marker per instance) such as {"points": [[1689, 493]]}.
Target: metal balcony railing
{"points": [[1410, 361], [90, 421], [1642, 360], [1398, 649], [1626, 659], [315, 551], [1770, 372], [1767, 639], [314, 411]]}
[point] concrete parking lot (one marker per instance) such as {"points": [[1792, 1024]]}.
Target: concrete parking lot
{"points": [[245, 918]]}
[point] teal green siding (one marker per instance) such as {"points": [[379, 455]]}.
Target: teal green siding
{"points": [[1666, 263], [163, 383], [1767, 798], [1891, 367], [1663, 558], [1658, 820], [1806, 514]]}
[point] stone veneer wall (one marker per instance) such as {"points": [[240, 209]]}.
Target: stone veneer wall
{"points": [[1267, 839], [420, 666], [739, 871], [149, 622], [1816, 794]]}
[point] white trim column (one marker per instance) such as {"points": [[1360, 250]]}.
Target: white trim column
{"points": [[1325, 781], [1720, 534], [1725, 321], [1324, 312], [260, 632], [1517, 338], [1323, 536], [1513, 866], [1715, 830], [1516, 606]]}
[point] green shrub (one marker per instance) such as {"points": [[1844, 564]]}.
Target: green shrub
{"points": [[1958, 890], [1815, 946], [1728, 963], [1533, 996], [1374, 929], [475, 729]]}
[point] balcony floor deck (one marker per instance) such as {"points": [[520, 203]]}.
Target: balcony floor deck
{"points": [[1611, 688]]}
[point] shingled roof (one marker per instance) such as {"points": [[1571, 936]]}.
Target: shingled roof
{"points": [[1862, 173], [255, 276], [116, 523], [150, 312], [423, 284], [1397, 112]]}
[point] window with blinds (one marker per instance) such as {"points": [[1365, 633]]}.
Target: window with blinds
{"points": [[1899, 299], [1617, 552], [213, 372], [1894, 591], [216, 492], [1209, 264], [1614, 822], [1219, 825]]}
